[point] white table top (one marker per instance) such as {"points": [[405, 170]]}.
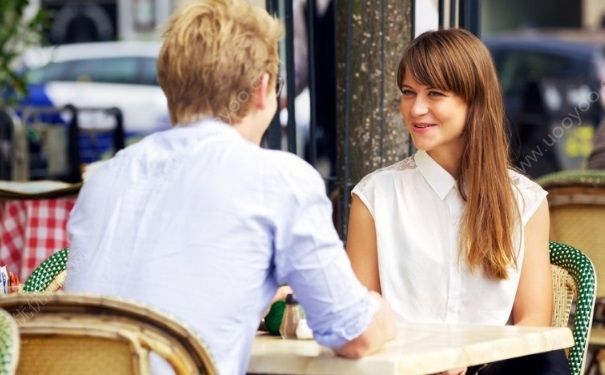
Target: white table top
{"points": [[418, 349]]}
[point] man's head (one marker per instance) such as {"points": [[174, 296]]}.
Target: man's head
{"points": [[214, 55]]}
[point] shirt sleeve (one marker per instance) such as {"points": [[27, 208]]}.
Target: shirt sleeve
{"points": [[529, 196], [365, 191], [310, 257]]}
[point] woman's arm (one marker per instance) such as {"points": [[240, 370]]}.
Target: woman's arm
{"points": [[533, 302], [361, 245]]}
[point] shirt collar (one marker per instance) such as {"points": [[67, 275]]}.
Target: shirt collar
{"points": [[206, 126], [438, 178]]}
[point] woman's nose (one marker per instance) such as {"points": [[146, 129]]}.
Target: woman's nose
{"points": [[419, 106]]}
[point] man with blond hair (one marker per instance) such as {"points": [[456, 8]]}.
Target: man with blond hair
{"points": [[202, 222]]}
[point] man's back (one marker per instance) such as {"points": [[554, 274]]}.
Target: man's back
{"points": [[186, 224]]}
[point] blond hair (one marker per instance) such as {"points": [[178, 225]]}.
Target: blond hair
{"points": [[455, 60], [213, 56]]}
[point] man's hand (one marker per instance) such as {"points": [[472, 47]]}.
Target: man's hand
{"points": [[458, 371], [281, 293], [381, 329]]}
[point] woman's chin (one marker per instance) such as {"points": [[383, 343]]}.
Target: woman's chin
{"points": [[422, 146]]}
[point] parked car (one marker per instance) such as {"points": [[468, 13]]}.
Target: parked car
{"points": [[553, 83], [108, 74], [101, 75]]}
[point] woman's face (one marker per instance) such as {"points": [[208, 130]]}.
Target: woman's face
{"points": [[434, 118]]}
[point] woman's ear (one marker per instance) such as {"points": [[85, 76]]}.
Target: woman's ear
{"points": [[260, 97]]}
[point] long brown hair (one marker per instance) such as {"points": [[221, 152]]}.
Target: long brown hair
{"points": [[457, 61]]}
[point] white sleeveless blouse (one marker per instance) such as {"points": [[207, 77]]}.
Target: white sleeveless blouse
{"points": [[417, 208]]}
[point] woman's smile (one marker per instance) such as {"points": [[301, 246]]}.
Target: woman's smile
{"points": [[422, 127]]}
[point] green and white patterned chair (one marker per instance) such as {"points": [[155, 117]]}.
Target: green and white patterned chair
{"points": [[49, 275], [9, 344], [577, 217], [579, 267]]}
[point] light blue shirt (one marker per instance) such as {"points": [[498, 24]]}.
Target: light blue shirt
{"points": [[205, 225]]}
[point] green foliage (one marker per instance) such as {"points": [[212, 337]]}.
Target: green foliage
{"points": [[18, 30]]}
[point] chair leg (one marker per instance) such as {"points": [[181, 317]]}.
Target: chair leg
{"points": [[592, 362], [600, 359]]}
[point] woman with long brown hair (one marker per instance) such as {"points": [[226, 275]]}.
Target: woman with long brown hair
{"points": [[452, 234]]}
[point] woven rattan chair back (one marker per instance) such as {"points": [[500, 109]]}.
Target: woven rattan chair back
{"points": [[66, 334], [565, 291], [577, 214], [9, 344], [49, 275], [583, 293]]}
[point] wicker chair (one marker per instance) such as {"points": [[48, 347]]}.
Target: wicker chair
{"points": [[49, 276], [579, 177], [577, 215], [65, 334], [573, 281], [9, 344]]}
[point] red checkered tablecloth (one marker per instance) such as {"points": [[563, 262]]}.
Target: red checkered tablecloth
{"points": [[31, 230]]}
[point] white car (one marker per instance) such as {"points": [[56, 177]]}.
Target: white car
{"points": [[104, 74]]}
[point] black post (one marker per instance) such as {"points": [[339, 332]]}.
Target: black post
{"points": [[6, 145], [413, 13], [311, 14], [441, 10], [272, 138], [453, 13], [470, 14], [73, 146], [291, 127], [118, 133], [344, 209]]}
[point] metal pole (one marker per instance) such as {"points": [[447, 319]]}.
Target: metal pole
{"points": [[347, 121], [73, 147], [291, 127], [272, 138], [441, 14], [453, 13], [311, 14], [382, 89], [413, 13], [118, 133]]}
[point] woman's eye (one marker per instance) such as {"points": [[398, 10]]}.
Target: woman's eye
{"points": [[435, 93], [407, 92]]}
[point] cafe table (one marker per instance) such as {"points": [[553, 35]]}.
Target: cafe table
{"points": [[418, 349]]}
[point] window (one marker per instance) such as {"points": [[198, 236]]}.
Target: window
{"points": [[518, 66], [127, 70], [49, 72], [149, 74], [110, 70]]}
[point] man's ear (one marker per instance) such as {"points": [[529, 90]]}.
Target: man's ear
{"points": [[260, 97]]}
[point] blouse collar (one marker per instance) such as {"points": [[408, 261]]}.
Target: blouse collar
{"points": [[438, 178]]}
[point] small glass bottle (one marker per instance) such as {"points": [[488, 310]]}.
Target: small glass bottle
{"points": [[292, 315]]}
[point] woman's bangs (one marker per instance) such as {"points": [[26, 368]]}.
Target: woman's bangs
{"points": [[427, 68]]}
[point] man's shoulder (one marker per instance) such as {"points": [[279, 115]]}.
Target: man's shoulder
{"points": [[286, 162], [288, 172]]}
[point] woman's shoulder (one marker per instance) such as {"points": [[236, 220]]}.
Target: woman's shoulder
{"points": [[406, 164]]}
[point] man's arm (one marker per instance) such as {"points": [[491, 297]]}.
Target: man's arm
{"points": [[310, 257], [381, 329]]}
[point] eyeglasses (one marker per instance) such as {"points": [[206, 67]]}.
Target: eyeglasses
{"points": [[279, 85]]}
